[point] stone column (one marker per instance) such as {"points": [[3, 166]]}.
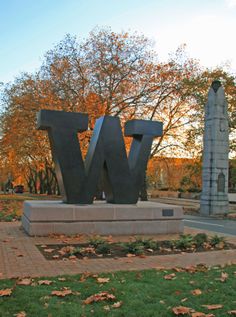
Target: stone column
{"points": [[214, 197]]}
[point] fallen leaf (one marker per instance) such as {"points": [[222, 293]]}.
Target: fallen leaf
{"points": [[56, 256], [106, 308], [20, 314], [117, 304], [62, 293], [181, 310], [44, 282], [84, 276], [198, 314], [130, 255], [48, 250], [77, 293], [211, 307], [72, 257], [178, 269], [232, 312], [184, 299], [5, 292], [196, 292], [224, 277], [99, 297], [61, 279], [24, 281], [102, 280], [142, 256], [191, 269], [170, 276]]}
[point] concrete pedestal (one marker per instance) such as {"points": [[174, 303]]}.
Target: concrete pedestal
{"points": [[41, 218]]}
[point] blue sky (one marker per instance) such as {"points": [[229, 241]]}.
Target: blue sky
{"points": [[31, 27]]}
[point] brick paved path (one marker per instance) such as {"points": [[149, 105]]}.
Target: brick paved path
{"points": [[19, 257]]}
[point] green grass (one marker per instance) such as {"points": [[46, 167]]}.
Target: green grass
{"points": [[143, 294]]}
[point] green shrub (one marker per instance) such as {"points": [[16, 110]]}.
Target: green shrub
{"points": [[103, 248], [199, 239], [147, 243], [216, 240], [133, 247], [168, 244], [95, 241], [185, 242]]}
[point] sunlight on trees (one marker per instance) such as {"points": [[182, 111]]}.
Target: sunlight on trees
{"points": [[108, 73]]}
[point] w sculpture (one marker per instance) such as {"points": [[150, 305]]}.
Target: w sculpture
{"points": [[78, 180]]}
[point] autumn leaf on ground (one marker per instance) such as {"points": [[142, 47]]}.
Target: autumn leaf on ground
{"points": [[170, 276], [181, 310], [24, 281], [130, 255], [198, 314], [21, 314], [44, 282], [62, 279], [224, 277], [5, 292], [232, 312], [107, 308], [178, 269], [99, 297], [48, 250], [184, 299], [211, 307], [84, 276], [191, 269], [62, 293], [102, 280], [117, 304], [56, 256], [196, 292]]}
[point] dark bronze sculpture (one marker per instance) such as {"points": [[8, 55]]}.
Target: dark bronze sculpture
{"points": [[77, 179]]}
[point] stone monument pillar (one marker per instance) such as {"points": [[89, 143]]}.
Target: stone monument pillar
{"points": [[214, 197]]}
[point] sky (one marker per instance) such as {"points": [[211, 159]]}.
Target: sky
{"points": [[29, 28]]}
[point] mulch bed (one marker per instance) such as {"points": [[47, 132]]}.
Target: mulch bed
{"points": [[116, 250]]}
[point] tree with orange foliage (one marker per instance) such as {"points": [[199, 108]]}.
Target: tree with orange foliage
{"points": [[109, 73]]}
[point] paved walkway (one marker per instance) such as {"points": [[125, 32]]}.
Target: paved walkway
{"points": [[19, 257]]}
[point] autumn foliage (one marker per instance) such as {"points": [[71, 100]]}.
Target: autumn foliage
{"points": [[108, 73]]}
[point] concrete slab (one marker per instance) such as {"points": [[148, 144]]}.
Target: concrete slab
{"points": [[41, 218]]}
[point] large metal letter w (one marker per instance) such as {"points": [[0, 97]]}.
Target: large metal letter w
{"points": [[78, 180]]}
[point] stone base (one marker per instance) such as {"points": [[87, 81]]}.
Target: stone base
{"points": [[41, 218], [208, 208]]}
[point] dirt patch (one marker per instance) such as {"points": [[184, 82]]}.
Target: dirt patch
{"points": [[117, 250]]}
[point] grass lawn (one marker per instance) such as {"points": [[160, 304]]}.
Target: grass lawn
{"points": [[143, 293], [11, 205]]}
